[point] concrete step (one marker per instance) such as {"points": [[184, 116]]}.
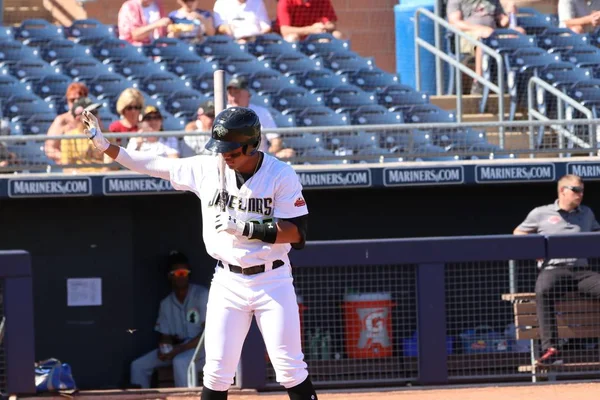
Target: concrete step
{"points": [[470, 103], [17, 11]]}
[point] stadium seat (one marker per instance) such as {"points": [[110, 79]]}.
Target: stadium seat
{"points": [[282, 120], [323, 44], [137, 69], [371, 79], [399, 97], [30, 156], [106, 116], [38, 29], [292, 64], [320, 116], [219, 47], [32, 70], [375, 115], [171, 123], [184, 103], [37, 124], [320, 155], [15, 128], [432, 149], [560, 75], [163, 84], [406, 141], [535, 24], [13, 51], [242, 63], [489, 149], [189, 68], [304, 141], [113, 50], [584, 57], [459, 138], [269, 81], [24, 106], [270, 45], [168, 49], [346, 98], [109, 85], [52, 85], [89, 41], [261, 99], [320, 80], [558, 39], [60, 50], [6, 33], [83, 69], [82, 28], [428, 113], [10, 86], [378, 155], [350, 143], [294, 98], [346, 62]]}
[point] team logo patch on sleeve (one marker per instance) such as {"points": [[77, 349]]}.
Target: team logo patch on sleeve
{"points": [[299, 202]]}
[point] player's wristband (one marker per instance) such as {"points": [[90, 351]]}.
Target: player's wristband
{"points": [[263, 232]]}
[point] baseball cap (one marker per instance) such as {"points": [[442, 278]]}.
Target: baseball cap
{"points": [[238, 82], [84, 103], [176, 257], [207, 108], [151, 110]]}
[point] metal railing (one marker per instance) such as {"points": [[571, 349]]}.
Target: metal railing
{"points": [[459, 67], [538, 87]]}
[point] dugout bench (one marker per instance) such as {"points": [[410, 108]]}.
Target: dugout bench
{"points": [[576, 317]]}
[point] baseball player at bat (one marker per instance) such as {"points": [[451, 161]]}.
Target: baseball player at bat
{"points": [[265, 216]]}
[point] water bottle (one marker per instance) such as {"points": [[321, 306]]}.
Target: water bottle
{"points": [[512, 20], [326, 346]]}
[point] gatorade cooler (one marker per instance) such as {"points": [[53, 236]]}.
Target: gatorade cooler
{"points": [[368, 324]]}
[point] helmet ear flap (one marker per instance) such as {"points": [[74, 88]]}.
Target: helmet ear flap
{"points": [[255, 147]]}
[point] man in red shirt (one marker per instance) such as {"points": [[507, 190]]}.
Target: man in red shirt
{"points": [[299, 18]]}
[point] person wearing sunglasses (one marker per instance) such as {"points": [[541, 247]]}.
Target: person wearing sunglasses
{"points": [[557, 276], [152, 122], [180, 323], [191, 22], [129, 106]]}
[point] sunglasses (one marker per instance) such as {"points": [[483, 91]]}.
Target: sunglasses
{"points": [[180, 273], [138, 108], [153, 118], [576, 189]]}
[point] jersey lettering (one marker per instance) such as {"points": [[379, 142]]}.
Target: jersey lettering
{"points": [[255, 205]]}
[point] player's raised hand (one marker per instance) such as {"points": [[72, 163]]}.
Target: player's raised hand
{"points": [[92, 130], [226, 223]]}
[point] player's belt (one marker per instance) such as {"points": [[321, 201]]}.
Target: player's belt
{"points": [[255, 269]]}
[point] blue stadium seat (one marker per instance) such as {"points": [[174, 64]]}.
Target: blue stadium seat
{"points": [[282, 120], [490, 150], [405, 141], [346, 98], [561, 76], [10, 86], [38, 29], [584, 57], [6, 33], [106, 116], [320, 80], [350, 143], [320, 116], [15, 128], [113, 50], [189, 68], [399, 97], [219, 47], [460, 138], [37, 124], [32, 70], [371, 79], [379, 155], [589, 97], [261, 99], [82, 28], [89, 41], [435, 150], [52, 85], [269, 81], [169, 48], [428, 113], [303, 141], [22, 107], [320, 155], [242, 63], [271, 45], [557, 39], [30, 156], [323, 44], [375, 115], [185, 103], [60, 50], [595, 37], [137, 69], [84, 69], [171, 123], [163, 84], [347, 62], [292, 64], [12, 51], [109, 85], [535, 24], [292, 98]]}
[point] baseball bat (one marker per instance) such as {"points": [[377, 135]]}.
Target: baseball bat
{"points": [[220, 102]]}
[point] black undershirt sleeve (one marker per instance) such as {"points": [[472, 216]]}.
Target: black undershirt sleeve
{"points": [[302, 223]]}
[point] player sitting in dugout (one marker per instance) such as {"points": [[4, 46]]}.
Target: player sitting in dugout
{"points": [[180, 322]]}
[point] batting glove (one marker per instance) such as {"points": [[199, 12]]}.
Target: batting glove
{"points": [[92, 130], [226, 223]]}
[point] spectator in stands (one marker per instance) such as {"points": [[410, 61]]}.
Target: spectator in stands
{"points": [[297, 19], [190, 22], [142, 21], [129, 106], [152, 122], [203, 123], [478, 19], [6, 157], [181, 319], [239, 95], [557, 276], [65, 121], [580, 16], [80, 151], [241, 19]]}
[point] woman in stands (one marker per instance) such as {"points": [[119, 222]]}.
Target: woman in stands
{"points": [[64, 122], [152, 122], [190, 22], [129, 106]]}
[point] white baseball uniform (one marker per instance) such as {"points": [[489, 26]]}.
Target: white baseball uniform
{"points": [[273, 192]]}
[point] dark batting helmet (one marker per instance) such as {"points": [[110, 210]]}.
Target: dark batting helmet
{"points": [[233, 128]]}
